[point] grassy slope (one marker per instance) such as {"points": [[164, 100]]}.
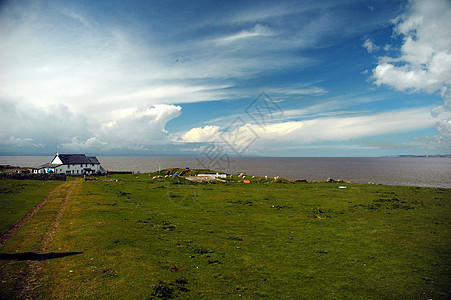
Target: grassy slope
{"points": [[18, 197], [142, 238]]}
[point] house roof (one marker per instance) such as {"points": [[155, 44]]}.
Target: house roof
{"points": [[93, 160], [77, 159]]}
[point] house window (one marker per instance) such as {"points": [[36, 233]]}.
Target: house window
{"points": [[68, 166]]}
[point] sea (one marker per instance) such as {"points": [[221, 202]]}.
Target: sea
{"points": [[409, 171]]}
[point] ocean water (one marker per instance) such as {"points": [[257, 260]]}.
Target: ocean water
{"points": [[412, 171]]}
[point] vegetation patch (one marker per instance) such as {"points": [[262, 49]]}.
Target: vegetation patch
{"points": [[391, 203], [242, 202], [170, 290]]}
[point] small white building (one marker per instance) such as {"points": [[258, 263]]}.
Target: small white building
{"points": [[213, 176], [72, 164]]}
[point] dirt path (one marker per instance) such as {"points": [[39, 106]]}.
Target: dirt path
{"points": [[60, 196], [31, 281], [50, 233]]}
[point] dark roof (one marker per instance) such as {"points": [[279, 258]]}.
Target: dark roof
{"points": [[93, 160], [77, 159]]}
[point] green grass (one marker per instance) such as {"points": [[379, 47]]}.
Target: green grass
{"points": [[18, 197], [142, 238]]}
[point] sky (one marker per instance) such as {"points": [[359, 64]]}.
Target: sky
{"points": [[242, 78]]}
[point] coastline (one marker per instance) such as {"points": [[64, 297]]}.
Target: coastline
{"points": [[404, 171]]}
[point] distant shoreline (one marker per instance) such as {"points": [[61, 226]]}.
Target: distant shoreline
{"points": [[425, 171], [242, 156]]}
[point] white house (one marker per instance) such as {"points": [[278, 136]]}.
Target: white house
{"points": [[72, 164]]}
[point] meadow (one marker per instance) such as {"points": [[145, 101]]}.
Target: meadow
{"points": [[17, 197], [145, 238]]}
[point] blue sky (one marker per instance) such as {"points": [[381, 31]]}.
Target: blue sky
{"points": [[263, 78]]}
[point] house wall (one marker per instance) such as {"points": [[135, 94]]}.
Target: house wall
{"points": [[56, 160], [76, 169], [73, 169]]}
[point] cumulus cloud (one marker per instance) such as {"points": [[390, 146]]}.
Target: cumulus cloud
{"points": [[32, 127], [25, 125], [134, 128], [201, 134], [424, 63]]}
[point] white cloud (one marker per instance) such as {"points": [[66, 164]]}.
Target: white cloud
{"points": [[91, 66], [443, 114], [20, 142], [260, 13], [47, 58], [24, 124], [321, 129], [257, 30], [170, 94], [347, 128], [425, 60], [90, 144], [424, 63], [300, 89], [404, 77], [370, 46], [201, 134], [430, 142], [138, 128], [309, 91], [338, 106]]}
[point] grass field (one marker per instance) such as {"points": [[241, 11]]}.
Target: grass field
{"points": [[147, 238], [17, 197]]}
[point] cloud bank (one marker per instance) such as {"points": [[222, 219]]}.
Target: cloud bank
{"points": [[327, 129]]}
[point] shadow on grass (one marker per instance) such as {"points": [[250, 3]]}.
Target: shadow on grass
{"points": [[35, 256]]}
